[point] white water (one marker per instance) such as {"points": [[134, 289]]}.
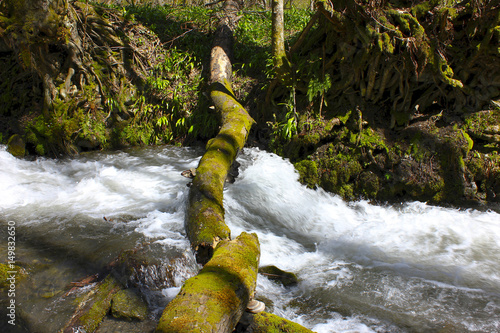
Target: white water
{"points": [[362, 268]]}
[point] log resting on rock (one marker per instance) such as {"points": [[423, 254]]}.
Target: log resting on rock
{"points": [[215, 299]]}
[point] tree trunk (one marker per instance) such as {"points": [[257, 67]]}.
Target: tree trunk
{"points": [[215, 299], [278, 34], [205, 216]]}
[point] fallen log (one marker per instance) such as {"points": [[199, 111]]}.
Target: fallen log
{"points": [[205, 216], [215, 299], [205, 224], [265, 322]]}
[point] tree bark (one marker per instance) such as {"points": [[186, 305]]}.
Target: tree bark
{"points": [[278, 34], [215, 299], [205, 216]]}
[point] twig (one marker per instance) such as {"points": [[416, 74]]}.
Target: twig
{"points": [[213, 3], [180, 36]]}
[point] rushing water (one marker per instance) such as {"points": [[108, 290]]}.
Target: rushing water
{"points": [[361, 267]]}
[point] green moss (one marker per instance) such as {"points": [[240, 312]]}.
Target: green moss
{"points": [[308, 173], [126, 304], [16, 146], [368, 184], [100, 304], [385, 44], [5, 273], [223, 287], [269, 323]]}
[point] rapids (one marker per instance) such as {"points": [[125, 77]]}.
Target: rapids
{"points": [[361, 267]]}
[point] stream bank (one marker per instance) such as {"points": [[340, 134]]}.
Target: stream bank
{"points": [[394, 105]]}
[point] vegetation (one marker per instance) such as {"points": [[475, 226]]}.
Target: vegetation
{"points": [[386, 97], [386, 101], [152, 95]]}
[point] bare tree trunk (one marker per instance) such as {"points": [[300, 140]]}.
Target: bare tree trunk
{"points": [[278, 34]]}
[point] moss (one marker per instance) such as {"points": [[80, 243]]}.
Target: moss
{"points": [[95, 310], [385, 44], [470, 142], [371, 140], [308, 173], [16, 146], [269, 323], [220, 291], [368, 184], [5, 273], [126, 304]]}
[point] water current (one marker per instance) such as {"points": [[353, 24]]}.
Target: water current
{"points": [[361, 267]]}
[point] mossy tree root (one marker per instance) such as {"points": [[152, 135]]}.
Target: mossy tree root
{"points": [[396, 57], [215, 299]]}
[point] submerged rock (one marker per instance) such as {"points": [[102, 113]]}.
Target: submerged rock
{"points": [[273, 273]]}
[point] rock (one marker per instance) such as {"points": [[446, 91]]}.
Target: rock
{"points": [[93, 306], [273, 273], [126, 304], [16, 146]]}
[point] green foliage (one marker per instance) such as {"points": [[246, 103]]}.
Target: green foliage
{"points": [[285, 127], [317, 87]]}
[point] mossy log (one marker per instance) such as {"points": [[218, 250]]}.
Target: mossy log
{"points": [[215, 299], [267, 322], [205, 217]]}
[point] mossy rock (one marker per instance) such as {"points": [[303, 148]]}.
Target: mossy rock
{"points": [[94, 306], [16, 146], [368, 184], [287, 279], [126, 304], [308, 173], [5, 270]]}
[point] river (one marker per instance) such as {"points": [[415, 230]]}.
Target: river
{"points": [[361, 267]]}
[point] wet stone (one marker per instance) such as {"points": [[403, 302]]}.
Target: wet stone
{"points": [[126, 304], [287, 279]]}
